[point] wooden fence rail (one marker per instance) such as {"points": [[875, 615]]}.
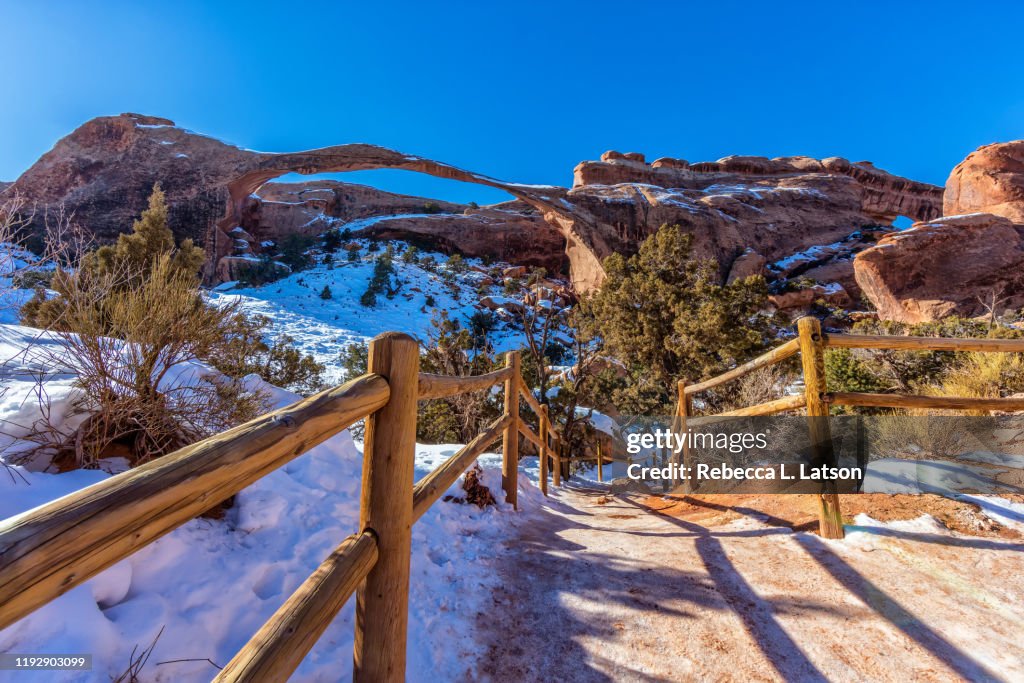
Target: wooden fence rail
{"points": [[49, 550], [811, 343]]}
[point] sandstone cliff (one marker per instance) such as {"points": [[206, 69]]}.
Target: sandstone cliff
{"points": [[775, 207]]}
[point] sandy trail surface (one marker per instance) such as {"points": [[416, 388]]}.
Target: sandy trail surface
{"points": [[628, 588]]}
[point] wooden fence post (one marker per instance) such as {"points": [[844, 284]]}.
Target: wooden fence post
{"points": [[812, 356], [600, 462], [382, 603], [510, 439], [684, 407], [556, 470], [543, 433]]}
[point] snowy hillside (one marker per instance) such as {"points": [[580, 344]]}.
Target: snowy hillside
{"points": [[324, 327]]}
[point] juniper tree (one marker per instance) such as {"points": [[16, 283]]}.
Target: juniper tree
{"points": [[666, 316], [120, 266]]}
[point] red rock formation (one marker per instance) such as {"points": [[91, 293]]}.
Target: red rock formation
{"points": [[747, 264], [776, 218], [943, 267], [504, 234], [104, 171], [883, 196], [312, 207], [989, 180]]}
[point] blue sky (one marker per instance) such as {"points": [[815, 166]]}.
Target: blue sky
{"points": [[524, 91]]}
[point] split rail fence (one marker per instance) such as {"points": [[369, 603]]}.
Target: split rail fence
{"points": [[51, 549], [811, 343]]}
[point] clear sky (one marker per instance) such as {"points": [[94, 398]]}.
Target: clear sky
{"points": [[523, 91]]}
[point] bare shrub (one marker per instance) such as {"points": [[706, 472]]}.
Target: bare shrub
{"points": [[923, 435], [137, 661], [131, 343], [764, 384]]}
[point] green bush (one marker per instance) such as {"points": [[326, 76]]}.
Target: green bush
{"points": [[354, 359], [450, 349], [457, 264], [383, 281], [260, 272], [115, 268]]}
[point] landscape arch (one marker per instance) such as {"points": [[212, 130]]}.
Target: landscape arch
{"points": [[547, 199]]}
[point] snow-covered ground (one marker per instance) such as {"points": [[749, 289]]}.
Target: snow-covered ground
{"points": [[210, 584], [324, 327]]}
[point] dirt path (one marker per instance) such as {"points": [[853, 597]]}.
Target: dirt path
{"points": [[604, 589]]}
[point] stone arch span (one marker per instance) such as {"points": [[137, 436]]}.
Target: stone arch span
{"points": [[548, 200]]}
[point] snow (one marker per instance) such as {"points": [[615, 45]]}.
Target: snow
{"points": [[14, 261], [948, 478], [212, 583], [324, 328]]}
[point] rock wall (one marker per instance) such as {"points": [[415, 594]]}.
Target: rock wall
{"points": [[883, 196], [503, 232]]}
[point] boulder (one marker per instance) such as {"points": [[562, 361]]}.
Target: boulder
{"points": [[989, 180], [944, 267], [747, 264], [801, 299]]}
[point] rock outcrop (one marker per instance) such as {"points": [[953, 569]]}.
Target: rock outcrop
{"points": [[510, 232], [776, 207], [883, 196], [964, 262], [222, 197], [989, 180], [951, 265], [104, 171], [279, 209]]}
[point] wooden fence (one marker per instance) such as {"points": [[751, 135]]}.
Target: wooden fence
{"points": [[811, 343], [51, 549]]}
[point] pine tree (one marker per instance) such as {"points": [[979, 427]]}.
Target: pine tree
{"points": [[325, 293]]}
